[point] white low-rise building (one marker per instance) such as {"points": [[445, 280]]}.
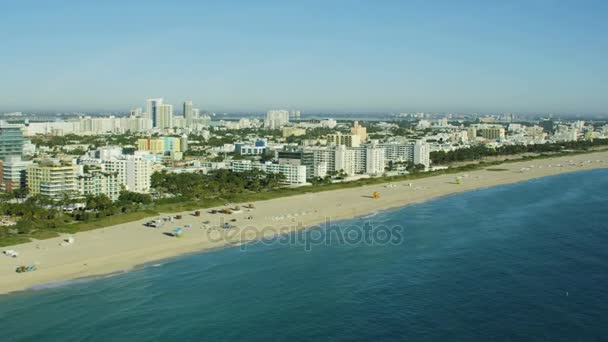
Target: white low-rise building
{"points": [[294, 174]]}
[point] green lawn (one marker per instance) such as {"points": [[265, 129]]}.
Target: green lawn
{"points": [[13, 240]]}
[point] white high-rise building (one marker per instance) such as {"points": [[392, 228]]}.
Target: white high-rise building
{"points": [[188, 111], [417, 153], [152, 110], [344, 160], [276, 118], [422, 153], [134, 172], [374, 160]]}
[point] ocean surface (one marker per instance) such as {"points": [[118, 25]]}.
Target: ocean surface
{"points": [[527, 261]]}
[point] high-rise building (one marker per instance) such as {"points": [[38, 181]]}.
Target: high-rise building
{"points": [[152, 110], [295, 156], [276, 118], [348, 140], [492, 133], [97, 182], [13, 173], [188, 113], [51, 180], [11, 140], [422, 153], [360, 131], [134, 172], [417, 153], [165, 116], [374, 160]]}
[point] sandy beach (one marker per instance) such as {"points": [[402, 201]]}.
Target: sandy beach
{"points": [[122, 247]]}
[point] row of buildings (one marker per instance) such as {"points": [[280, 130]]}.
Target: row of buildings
{"points": [[106, 171], [158, 116]]}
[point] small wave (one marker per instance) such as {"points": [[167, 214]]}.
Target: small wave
{"points": [[370, 215], [62, 283]]}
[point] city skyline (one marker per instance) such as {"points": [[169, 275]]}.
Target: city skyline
{"points": [[532, 56]]}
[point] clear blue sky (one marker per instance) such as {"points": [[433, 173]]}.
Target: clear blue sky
{"points": [[330, 55]]}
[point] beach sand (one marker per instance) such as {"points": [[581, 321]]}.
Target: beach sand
{"points": [[122, 247]]}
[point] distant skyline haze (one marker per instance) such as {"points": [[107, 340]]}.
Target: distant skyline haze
{"points": [[545, 56]]}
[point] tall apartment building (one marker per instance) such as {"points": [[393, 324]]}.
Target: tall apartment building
{"points": [[322, 156], [276, 118], [152, 110], [417, 153], [422, 153], [297, 157], [134, 172], [51, 180], [165, 116], [492, 133], [374, 160], [365, 159], [359, 130], [11, 140], [98, 182], [188, 111], [345, 160], [14, 173], [348, 140]]}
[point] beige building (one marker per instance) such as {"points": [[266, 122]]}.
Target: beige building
{"points": [[52, 181], [165, 116], [360, 131], [97, 182], [293, 131], [492, 133], [155, 146], [348, 140]]}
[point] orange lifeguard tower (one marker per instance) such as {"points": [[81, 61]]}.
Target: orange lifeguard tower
{"points": [[376, 195]]}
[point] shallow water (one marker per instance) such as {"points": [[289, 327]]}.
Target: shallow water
{"points": [[523, 261]]}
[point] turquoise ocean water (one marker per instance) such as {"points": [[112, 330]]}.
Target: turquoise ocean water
{"points": [[527, 261]]}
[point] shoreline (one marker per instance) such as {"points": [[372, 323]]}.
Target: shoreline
{"points": [[125, 247]]}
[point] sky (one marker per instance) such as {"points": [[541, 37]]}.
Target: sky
{"points": [[545, 56]]}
